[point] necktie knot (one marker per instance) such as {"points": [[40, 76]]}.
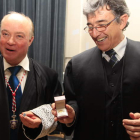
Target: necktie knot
{"points": [[113, 59], [14, 70], [110, 52]]}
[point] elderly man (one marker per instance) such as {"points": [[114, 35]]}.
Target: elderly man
{"points": [[24, 83], [104, 82]]}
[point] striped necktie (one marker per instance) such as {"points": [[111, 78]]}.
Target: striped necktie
{"points": [[113, 60]]}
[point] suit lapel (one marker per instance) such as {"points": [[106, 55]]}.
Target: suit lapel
{"points": [[98, 67], [29, 89], [4, 106]]}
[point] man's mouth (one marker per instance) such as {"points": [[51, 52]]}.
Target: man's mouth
{"points": [[9, 50], [101, 39]]}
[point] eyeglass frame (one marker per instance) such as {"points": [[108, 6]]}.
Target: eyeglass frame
{"points": [[105, 26]]}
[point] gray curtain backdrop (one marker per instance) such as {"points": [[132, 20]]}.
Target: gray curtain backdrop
{"points": [[48, 17]]}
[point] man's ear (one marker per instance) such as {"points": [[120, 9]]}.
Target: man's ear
{"points": [[123, 21], [31, 40]]}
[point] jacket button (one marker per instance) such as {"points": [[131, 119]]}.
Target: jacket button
{"points": [[112, 123], [111, 84], [113, 72]]}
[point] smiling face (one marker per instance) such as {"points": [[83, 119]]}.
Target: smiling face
{"points": [[112, 35], [15, 38]]}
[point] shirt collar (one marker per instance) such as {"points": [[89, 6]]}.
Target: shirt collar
{"points": [[120, 49], [24, 63]]}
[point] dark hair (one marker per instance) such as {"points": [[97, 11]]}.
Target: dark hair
{"points": [[118, 8]]}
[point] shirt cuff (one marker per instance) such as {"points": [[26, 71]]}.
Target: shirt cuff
{"points": [[47, 118]]}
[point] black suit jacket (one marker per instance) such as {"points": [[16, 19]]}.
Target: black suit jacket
{"points": [[84, 82], [41, 86]]}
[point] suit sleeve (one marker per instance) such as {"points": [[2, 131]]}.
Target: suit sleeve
{"points": [[48, 124], [51, 87], [56, 87], [69, 92]]}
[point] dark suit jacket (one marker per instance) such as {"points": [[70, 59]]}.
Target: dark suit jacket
{"points": [[41, 86], [84, 82]]}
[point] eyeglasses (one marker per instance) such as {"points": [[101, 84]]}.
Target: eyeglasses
{"points": [[89, 29]]}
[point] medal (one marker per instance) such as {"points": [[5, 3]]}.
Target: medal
{"points": [[13, 122]]}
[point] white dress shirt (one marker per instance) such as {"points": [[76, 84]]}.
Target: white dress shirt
{"points": [[119, 49], [25, 67]]}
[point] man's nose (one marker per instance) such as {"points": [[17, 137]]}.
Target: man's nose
{"points": [[11, 40], [95, 33]]}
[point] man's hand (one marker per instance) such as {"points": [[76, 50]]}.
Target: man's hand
{"points": [[133, 126], [66, 120], [30, 120]]}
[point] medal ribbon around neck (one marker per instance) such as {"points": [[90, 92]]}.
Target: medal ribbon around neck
{"points": [[14, 92]]}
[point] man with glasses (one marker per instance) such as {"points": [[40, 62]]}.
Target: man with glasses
{"points": [[104, 82]]}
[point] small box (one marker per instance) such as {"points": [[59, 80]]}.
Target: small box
{"points": [[60, 106]]}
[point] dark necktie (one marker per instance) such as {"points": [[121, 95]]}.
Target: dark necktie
{"points": [[113, 60], [13, 81]]}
